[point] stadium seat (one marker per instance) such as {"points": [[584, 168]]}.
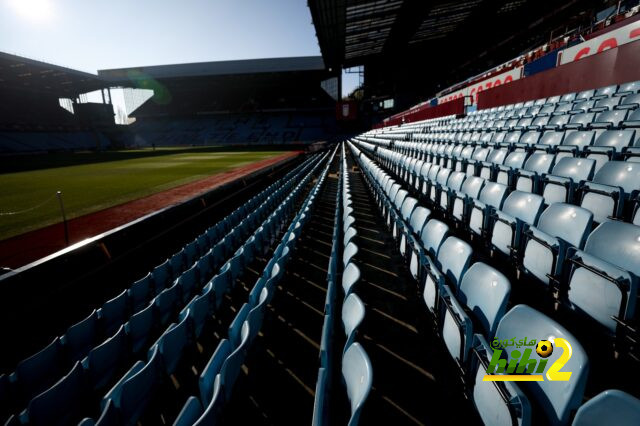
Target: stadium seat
{"points": [[352, 315], [135, 390], [357, 374], [545, 245], [609, 146], [519, 209], [432, 237], [139, 327], [190, 412], [350, 277], [560, 185], [139, 293], [484, 292], [211, 371], [80, 337], [557, 399], [454, 258], [221, 284], [603, 277], [63, 403], [231, 367], [610, 406], [39, 371], [113, 313], [491, 197], [165, 303], [170, 346], [612, 185], [349, 252], [527, 179], [161, 277], [106, 359]]}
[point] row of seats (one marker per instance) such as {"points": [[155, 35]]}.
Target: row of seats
{"points": [[610, 189], [151, 302], [221, 372], [542, 241], [467, 302], [356, 368]]}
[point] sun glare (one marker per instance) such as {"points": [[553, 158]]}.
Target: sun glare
{"points": [[34, 10]]}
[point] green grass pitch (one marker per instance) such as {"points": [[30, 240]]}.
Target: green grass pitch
{"points": [[94, 181]]}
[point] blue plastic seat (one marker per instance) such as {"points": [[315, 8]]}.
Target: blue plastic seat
{"points": [[178, 264], [139, 328], [191, 253], [198, 310], [352, 315], [61, 404], [558, 399], [232, 366], [171, 345], [454, 258], [205, 267], [357, 374], [162, 277], [417, 221], [188, 282], [484, 292], [580, 121], [102, 363], [609, 146], [113, 313], [80, 337], [431, 238], [235, 328], [350, 277], [491, 198], [165, 303], [256, 314], [603, 279], [545, 246], [453, 185], [139, 293], [470, 189], [320, 411], [519, 209], [212, 370], [612, 185], [527, 179], [611, 406], [349, 252], [575, 142], [190, 412], [498, 403], [560, 185], [39, 371], [221, 284], [133, 392]]}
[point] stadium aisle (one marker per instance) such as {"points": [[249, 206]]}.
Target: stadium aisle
{"points": [[410, 381], [283, 363]]}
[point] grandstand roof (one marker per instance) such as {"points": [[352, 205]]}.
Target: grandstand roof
{"points": [[17, 72], [204, 69], [355, 32]]}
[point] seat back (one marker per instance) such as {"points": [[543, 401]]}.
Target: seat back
{"points": [[611, 406], [576, 169], [358, 378], [621, 174], [566, 221], [472, 186], [352, 315], [558, 399], [350, 277], [524, 206], [419, 218], [485, 291], [493, 194], [539, 163], [454, 258], [433, 235]]}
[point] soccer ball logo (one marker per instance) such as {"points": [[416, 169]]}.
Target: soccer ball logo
{"points": [[544, 348]]}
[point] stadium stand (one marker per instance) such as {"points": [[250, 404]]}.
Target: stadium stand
{"points": [[386, 279]]}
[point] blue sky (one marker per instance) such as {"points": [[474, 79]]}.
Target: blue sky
{"points": [[96, 34]]}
